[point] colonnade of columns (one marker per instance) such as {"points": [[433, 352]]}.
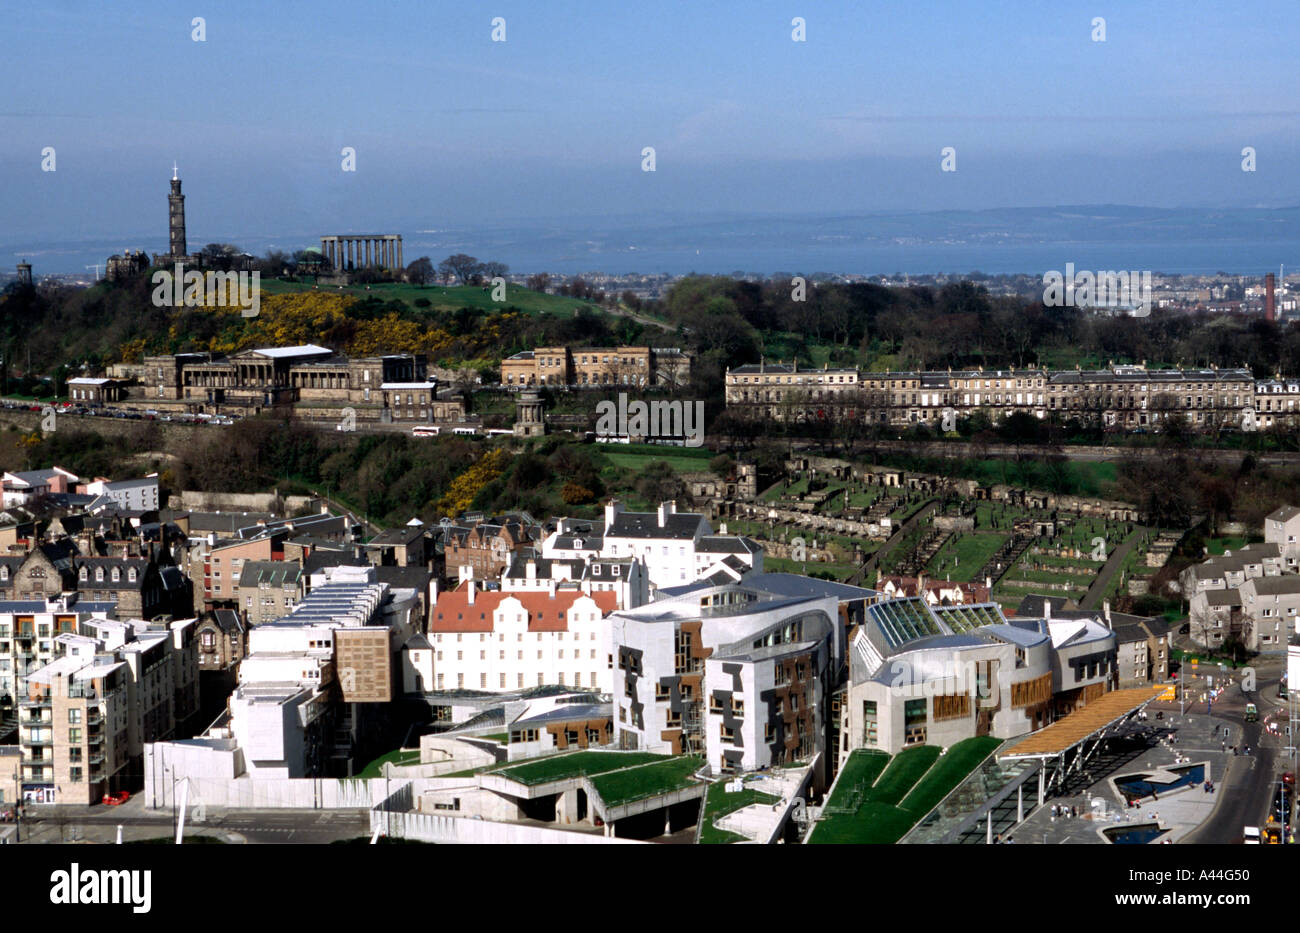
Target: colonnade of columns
{"points": [[357, 252]]}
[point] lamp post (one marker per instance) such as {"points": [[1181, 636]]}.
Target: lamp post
{"points": [[168, 771], [18, 809]]}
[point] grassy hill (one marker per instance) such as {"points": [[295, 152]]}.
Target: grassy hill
{"points": [[443, 298]]}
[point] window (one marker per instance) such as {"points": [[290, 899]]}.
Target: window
{"points": [[74, 775], [74, 736], [74, 716], [914, 712]]}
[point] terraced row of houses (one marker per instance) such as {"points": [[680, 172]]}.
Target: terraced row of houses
{"points": [[1120, 396], [1251, 594]]}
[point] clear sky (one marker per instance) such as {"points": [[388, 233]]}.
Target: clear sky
{"points": [[450, 127]]}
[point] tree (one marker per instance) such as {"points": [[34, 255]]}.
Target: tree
{"points": [[219, 256], [461, 266], [421, 272], [539, 282], [490, 270]]}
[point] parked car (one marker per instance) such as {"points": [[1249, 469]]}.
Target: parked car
{"points": [[117, 799]]}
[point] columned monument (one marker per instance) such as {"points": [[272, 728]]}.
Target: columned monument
{"points": [[362, 251], [530, 414]]}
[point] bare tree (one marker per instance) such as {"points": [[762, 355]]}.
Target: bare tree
{"points": [[461, 266]]}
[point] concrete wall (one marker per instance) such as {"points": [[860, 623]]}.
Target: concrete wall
{"points": [[452, 829], [451, 754], [473, 801], [200, 501], [278, 793]]}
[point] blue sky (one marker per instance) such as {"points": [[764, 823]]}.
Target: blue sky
{"points": [[452, 128]]}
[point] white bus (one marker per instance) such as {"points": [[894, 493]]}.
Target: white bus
{"points": [[465, 432], [424, 430]]}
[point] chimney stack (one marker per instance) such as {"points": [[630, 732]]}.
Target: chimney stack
{"points": [[470, 593], [1270, 305], [1105, 609]]}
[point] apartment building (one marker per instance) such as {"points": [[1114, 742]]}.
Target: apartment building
{"points": [[1270, 606], [495, 640], [1282, 528], [28, 629], [223, 640], [84, 717], [483, 550], [268, 590], [1251, 594], [135, 495], [25, 487], [739, 672]]}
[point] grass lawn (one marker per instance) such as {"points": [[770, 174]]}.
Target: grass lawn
{"points": [[559, 767], [620, 787], [502, 737], [951, 770], [903, 772], [638, 462], [1218, 545], [972, 552], [398, 757], [877, 805], [719, 803]]}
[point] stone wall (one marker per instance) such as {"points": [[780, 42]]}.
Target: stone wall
{"points": [[174, 434], [194, 500]]}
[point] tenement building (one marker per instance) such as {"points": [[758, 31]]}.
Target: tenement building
{"points": [[1120, 397]]}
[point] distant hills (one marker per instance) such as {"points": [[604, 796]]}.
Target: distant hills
{"points": [[998, 240]]}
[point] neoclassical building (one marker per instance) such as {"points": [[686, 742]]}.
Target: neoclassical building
{"points": [[1122, 397]]}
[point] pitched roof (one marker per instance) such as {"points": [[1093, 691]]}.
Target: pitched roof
{"points": [[271, 572], [1284, 514], [646, 525], [454, 613]]}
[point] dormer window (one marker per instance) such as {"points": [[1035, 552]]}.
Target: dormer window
{"points": [[117, 575], [130, 574], [99, 574], [85, 574], [4, 573]]}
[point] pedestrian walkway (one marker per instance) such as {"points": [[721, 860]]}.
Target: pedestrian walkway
{"points": [[1090, 802]]}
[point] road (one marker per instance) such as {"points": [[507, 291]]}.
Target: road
{"points": [[1247, 789], [99, 824]]}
